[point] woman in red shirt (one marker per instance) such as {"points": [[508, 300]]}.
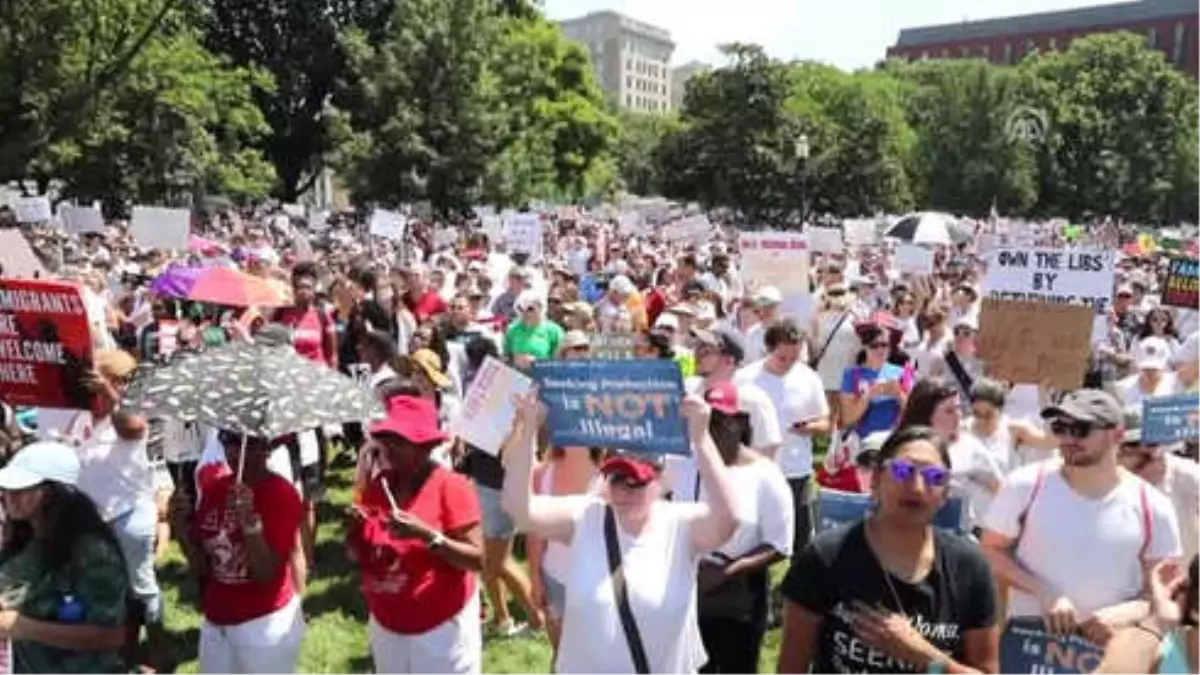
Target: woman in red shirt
{"points": [[242, 541], [415, 533]]}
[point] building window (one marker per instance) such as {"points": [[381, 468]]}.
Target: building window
{"points": [[628, 82], [628, 101], [1008, 52], [1152, 37], [628, 64], [1179, 43]]}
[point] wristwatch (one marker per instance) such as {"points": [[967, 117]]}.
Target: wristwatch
{"points": [[437, 540]]}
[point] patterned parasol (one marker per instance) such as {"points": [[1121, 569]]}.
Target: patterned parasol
{"points": [[262, 390]]}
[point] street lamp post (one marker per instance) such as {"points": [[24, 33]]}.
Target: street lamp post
{"points": [[802, 151]]}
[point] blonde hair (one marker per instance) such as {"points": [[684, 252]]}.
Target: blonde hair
{"points": [[115, 364]]}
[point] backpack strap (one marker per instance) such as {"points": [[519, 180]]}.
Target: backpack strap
{"points": [[1039, 482], [960, 374]]}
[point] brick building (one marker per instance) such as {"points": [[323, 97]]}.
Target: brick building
{"points": [[1170, 26]]}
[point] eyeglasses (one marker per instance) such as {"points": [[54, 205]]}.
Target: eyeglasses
{"points": [[1072, 428], [627, 482], [903, 471]]}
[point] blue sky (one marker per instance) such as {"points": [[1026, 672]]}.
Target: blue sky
{"points": [[847, 33]]}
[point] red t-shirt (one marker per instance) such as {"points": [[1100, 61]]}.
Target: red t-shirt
{"points": [[656, 302], [401, 576], [308, 332], [231, 597], [430, 304]]}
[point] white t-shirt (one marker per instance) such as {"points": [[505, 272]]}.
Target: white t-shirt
{"points": [[660, 573], [969, 458], [1181, 484], [1129, 389], [1087, 549], [767, 518], [113, 471], [764, 423], [798, 396]]}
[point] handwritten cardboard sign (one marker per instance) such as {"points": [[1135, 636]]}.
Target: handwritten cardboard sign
{"points": [[523, 233], [45, 344], [488, 411], [825, 239], [1182, 285], [836, 508], [779, 259], [1070, 276], [34, 209], [1035, 342], [626, 405], [1027, 647], [388, 224], [1170, 419], [81, 219], [914, 259]]}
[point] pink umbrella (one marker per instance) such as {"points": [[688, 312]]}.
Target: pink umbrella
{"points": [[204, 246]]}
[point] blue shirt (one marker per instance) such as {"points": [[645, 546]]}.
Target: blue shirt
{"points": [[882, 411], [590, 290]]}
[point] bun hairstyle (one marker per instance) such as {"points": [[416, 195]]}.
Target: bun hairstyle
{"points": [[899, 439]]}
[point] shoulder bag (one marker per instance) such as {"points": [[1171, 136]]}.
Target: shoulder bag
{"points": [[633, 637]]}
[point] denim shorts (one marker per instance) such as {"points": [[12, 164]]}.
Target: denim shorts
{"points": [[556, 594], [496, 522], [135, 531]]}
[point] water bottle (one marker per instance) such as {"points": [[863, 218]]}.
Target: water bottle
{"points": [[70, 609]]}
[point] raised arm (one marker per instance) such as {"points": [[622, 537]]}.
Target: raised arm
{"points": [[718, 518], [538, 515]]}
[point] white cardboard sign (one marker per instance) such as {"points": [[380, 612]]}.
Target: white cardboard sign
{"points": [[914, 259], [523, 232], [32, 209], [488, 410], [825, 240], [388, 224], [81, 219], [1075, 276], [162, 228], [779, 259]]}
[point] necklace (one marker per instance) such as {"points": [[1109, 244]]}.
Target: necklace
{"points": [[887, 579]]}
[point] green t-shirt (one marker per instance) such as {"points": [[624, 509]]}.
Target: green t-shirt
{"points": [[96, 579], [541, 342]]}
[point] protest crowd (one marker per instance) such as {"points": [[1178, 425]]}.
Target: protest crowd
{"points": [[914, 444]]}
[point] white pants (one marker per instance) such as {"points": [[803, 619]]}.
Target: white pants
{"points": [[455, 646], [268, 644]]}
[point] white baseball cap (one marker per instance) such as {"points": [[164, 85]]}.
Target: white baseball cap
{"points": [[40, 462], [1152, 354]]}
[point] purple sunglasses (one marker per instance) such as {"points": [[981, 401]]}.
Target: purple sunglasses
{"points": [[903, 471]]}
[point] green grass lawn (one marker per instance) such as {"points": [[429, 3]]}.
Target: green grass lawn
{"points": [[336, 612]]}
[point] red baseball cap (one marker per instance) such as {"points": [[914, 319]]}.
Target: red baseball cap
{"points": [[412, 418], [637, 467], [723, 397]]}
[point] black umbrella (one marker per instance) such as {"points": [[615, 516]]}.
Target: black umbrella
{"points": [[263, 390], [923, 228]]}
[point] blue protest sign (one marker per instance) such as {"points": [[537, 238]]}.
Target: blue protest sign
{"points": [[1170, 419], [835, 508], [1027, 647], [627, 405]]}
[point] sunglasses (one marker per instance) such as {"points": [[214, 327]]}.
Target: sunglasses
{"points": [[903, 471], [627, 482], [963, 332], [1072, 428]]}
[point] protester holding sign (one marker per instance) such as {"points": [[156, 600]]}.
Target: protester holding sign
{"points": [[631, 589], [892, 593], [1176, 477], [62, 576], [1166, 641], [1046, 513]]}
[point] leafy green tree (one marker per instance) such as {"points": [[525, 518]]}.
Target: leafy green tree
{"points": [[180, 125], [297, 42], [859, 140], [963, 159], [736, 144], [554, 130], [58, 60], [1122, 130], [638, 148], [419, 125]]}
